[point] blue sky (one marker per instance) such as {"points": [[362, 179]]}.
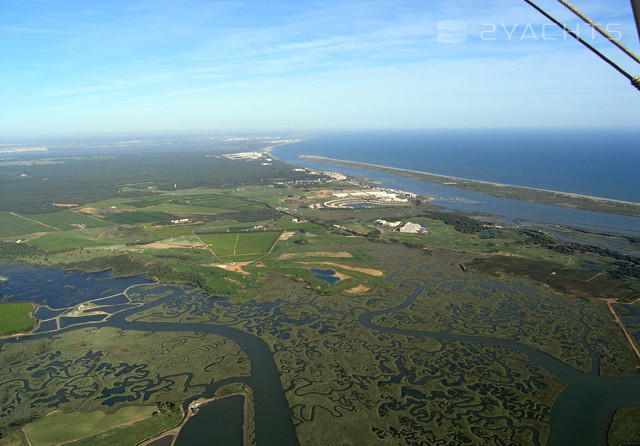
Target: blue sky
{"points": [[84, 67]]}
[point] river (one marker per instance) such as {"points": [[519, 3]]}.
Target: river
{"points": [[581, 414]]}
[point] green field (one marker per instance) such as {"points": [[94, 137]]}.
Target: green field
{"points": [[56, 241], [287, 223], [65, 220], [219, 201], [132, 218], [46, 431], [205, 204], [240, 246], [15, 318], [94, 237], [134, 433], [13, 225]]}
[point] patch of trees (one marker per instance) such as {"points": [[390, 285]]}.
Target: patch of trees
{"points": [[15, 250], [625, 269], [459, 222], [626, 265], [121, 265], [81, 180], [166, 407], [164, 273]]}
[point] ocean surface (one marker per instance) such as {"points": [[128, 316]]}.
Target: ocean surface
{"points": [[597, 163]]}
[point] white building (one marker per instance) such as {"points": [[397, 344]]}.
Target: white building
{"points": [[390, 224], [412, 228]]}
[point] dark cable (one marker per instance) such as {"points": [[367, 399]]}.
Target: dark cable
{"points": [[635, 5], [601, 30], [635, 81]]}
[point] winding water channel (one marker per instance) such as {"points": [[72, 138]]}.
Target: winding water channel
{"points": [[581, 414]]}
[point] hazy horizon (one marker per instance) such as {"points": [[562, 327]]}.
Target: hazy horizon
{"points": [[141, 67], [10, 140]]}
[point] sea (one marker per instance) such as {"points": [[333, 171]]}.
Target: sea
{"points": [[589, 162], [599, 163]]}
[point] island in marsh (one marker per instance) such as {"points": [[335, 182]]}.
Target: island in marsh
{"points": [[520, 193]]}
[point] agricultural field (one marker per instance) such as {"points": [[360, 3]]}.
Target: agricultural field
{"points": [[55, 241], [197, 202], [16, 318], [132, 218], [219, 202], [11, 224], [240, 246], [287, 222], [67, 220], [44, 432], [131, 434]]}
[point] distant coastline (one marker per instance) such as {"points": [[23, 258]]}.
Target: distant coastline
{"points": [[514, 192]]}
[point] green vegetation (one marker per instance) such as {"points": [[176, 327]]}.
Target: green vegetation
{"points": [[352, 384], [439, 338], [240, 246], [15, 438], [60, 241], [17, 251], [46, 431], [134, 433], [11, 224], [130, 218], [88, 179], [625, 427], [93, 364], [460, 223], [570, 281], [65, 220], [121, 265], [16, 318]]}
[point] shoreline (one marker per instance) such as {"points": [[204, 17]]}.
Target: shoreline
{"points": [[269, 150], [192, 411], [501, 190]]}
